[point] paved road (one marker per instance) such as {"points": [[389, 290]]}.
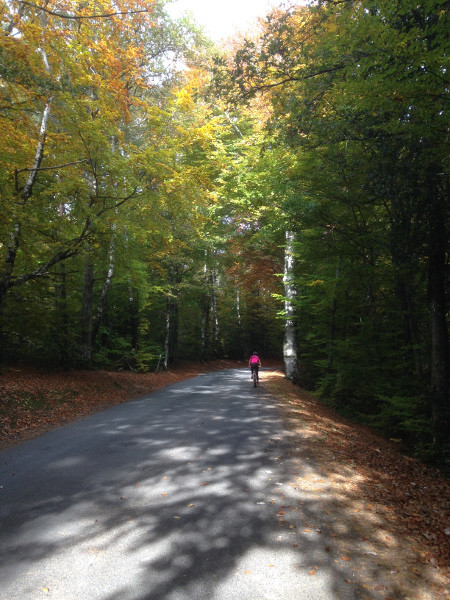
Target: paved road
{"points": [[172, 496]]}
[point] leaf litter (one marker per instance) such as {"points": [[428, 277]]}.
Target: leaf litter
{"points": [[398, 507]]}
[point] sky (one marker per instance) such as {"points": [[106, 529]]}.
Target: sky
{"points": [[222, 18]]}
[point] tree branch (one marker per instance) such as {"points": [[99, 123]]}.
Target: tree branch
{"points": [[80, 17], [75, 162], [292, 78]]}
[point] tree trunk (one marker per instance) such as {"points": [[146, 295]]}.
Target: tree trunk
{"points": [[206, 309], [332, 333], [205, 327], [104, 292], [401, 241], [86, 314], [171, 339], [26, 191], [411, 338], [25, 194], [290, 327], [133, 298], [62, 317], [440, 402], [238, 309], [167, 337], [214, 312]]}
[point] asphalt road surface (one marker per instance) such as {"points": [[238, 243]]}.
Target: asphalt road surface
{"points": [[177, 496]]}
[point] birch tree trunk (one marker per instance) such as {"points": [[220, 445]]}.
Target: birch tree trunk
{"points": [[167, 337], [106, 286], [171, 339], [205, 328], [238, 309], [206, 307], [290, 327], [25, 193], [214, 311], [133, 299]]}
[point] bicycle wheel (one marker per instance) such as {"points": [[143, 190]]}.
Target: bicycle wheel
{"points": [[255, 379]]}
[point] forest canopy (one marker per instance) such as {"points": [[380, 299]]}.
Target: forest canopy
{"points": [[165, 199]]}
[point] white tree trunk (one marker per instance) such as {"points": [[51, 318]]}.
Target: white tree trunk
{"points": [[25, 193], [206, 306], [106, 286], [290, 328], [167, 339], [27, 188], [214, 310]]}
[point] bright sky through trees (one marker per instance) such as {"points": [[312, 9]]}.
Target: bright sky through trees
{"points": [[222, 19]]}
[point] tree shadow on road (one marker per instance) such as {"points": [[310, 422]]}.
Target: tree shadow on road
{"points": [[191, 493]]}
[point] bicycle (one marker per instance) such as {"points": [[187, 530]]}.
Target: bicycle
{"points": [[254, 363]]}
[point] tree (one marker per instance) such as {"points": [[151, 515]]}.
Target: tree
{"points": [[358, 97]]}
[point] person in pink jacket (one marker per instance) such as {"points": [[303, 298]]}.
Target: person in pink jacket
{"points": [[254, 363]]}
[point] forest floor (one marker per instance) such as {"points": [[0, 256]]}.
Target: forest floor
{"points": [[399, 506]]}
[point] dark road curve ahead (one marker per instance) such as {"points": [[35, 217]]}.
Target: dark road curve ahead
{"points": [[172, 496]]}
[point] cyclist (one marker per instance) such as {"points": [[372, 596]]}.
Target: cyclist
{"points": [[254, 363]]}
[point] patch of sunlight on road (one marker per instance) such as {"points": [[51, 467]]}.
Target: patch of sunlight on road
{"points": [[264, 573]]}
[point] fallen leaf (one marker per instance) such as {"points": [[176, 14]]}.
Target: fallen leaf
{"points": [[345, 557], [312, 572]]}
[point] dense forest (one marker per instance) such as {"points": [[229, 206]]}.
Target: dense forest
{"points": [[164, 199]]}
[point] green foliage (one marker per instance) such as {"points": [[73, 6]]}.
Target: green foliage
{"points": [[357, 92]]}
